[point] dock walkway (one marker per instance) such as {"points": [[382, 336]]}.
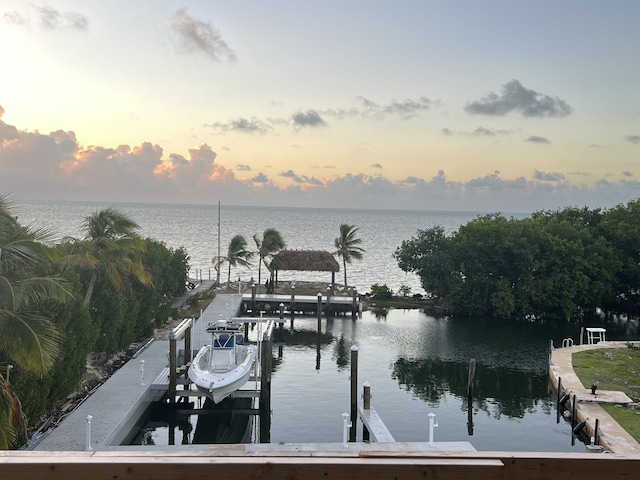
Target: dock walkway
{"points": [[613, 437]]}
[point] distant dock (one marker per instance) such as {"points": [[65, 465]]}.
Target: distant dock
{"points": [[307, 304]]}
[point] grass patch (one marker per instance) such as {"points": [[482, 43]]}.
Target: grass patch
{"points": [[613, 369], [627, 418], [610, 369]]}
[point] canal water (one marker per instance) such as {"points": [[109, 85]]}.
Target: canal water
{"points": [[417, 364]]}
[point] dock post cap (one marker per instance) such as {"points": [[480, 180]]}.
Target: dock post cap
{"points": [[366, 384], [354, 348]]}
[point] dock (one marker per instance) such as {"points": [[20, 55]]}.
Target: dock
{"points": [[612, 437]]}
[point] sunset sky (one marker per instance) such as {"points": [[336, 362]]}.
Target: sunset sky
{"points": [[432, 105]]}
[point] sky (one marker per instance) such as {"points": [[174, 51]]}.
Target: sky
{"points": [[426, 105]]}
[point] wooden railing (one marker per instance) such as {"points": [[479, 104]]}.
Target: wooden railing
{"points": [[232, 463]]}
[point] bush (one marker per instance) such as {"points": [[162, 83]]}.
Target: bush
{"points": [[381, 292]]}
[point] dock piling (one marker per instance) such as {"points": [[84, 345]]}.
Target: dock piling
{"points": [[354, 392], [366, 405], [254, 288]]}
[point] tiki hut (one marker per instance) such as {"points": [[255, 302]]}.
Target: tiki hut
{"points": [[305, 260]]}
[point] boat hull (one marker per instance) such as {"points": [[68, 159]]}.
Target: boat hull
{"points": [[217, 381]]}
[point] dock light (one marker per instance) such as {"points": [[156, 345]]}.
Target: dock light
{"points": [[564, 399]]}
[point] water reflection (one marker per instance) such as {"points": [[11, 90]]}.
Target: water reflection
{"points": [[497, 391]]}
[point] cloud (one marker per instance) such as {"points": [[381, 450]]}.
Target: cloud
{"points": [[260, 178], [55, 166], [627, 173], [49, 19], [310, 118], [197, 36], [302, 179], [483, 132], [405, 109], [537, 139], [478, 132], [376, 165], [243, 168], [243, 125], [548, 176], [635, 139], [518, 99], [17, 18], [292, 175]]}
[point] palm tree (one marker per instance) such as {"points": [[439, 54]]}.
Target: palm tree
{"points": [[270, 244], [237, 254], [28, 338], [110, 246], [348, 246]]}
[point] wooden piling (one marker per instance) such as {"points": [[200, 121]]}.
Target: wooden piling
{"points": [[354, 393], [581, 335], [354, 305], [266, 361], [558, 395], [470, 415], [187, 346], [254, 289], [471, 378], [319, 311], [366, 404], [292, 307], [172, 368]]}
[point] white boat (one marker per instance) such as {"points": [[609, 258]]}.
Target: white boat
{"points": [[224, 366]]}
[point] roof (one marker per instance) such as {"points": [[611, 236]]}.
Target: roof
{"points": [[305, 260]]}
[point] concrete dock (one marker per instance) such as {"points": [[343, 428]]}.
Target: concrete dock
{"points": [[612, 436], [119, 403]]}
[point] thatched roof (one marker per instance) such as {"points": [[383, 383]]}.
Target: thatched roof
{"points": [[305, 260]]}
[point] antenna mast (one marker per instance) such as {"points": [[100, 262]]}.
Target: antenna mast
{"points": [[218, 269]]}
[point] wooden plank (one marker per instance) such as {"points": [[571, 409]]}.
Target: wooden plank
{"points": [[377, 429], [353, 462], [161, 467]]}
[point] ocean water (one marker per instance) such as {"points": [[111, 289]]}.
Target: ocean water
{"points": [[195, 227]]}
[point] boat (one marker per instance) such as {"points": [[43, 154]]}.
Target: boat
{"points": [[222, 367]]}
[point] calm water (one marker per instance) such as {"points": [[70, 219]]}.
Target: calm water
{"points": [[195, 229], [415, 363]]}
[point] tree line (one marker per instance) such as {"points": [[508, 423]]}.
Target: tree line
{"points": [[555, 265], [63, 299]]}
